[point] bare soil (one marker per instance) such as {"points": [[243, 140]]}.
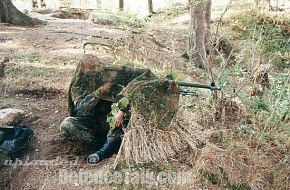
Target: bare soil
{"points": [[44, 101]]}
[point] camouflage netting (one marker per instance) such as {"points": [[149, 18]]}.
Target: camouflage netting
{"points": [[155, 131]]}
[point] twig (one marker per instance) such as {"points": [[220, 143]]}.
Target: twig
{"points": [[153, 39], [210, 59], [94, 43], [118, 155]]}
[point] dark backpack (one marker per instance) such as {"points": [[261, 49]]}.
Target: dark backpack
{"points": [[14, 139]]}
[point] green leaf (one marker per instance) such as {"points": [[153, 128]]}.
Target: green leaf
{"points": [[111, 120], [123, 103], [115, 109]]}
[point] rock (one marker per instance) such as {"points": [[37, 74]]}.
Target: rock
{"points": [[10, 116]]}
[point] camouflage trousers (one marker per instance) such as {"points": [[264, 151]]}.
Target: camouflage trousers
{"points": [[84, 131], [87, 131]]}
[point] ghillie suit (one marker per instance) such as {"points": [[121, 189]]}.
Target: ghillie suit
{"points": [[92, 91], [153, 134], [159, 126], [100, 80]]}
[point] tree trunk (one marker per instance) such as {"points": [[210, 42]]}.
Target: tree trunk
{"points": [[121, 5], [34, 4], [150, 6], [10, 14], [99, 4], [199, 36], [42, 4], [207, 24]]}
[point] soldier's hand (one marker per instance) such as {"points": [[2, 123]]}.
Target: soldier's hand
{"points": [[119, 118]]}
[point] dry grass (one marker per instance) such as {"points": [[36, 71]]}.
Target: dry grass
{"points": [[144, 142]]}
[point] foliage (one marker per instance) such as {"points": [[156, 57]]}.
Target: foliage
{"points": [[177, 9], [271, 30], [71, 14], [116, 107], [122, 19], [271, 113]]}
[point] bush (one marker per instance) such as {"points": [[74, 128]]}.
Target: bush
{"points": [[271, 30], [123, 19]]}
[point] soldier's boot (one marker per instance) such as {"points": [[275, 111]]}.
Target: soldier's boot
{"points": [[111, 147]]}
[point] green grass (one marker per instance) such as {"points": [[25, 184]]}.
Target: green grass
{"points": [[267, 29]]}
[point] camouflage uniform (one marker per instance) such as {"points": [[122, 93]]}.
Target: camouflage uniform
{"points": [[95, 87], [92, 91], [88, 129]]}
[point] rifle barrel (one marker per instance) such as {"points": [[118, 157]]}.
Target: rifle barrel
{"points": [[187, 84], [190, 93]]}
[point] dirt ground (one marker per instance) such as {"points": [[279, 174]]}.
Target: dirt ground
{"points": [[42, 60], [33, 50]]}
